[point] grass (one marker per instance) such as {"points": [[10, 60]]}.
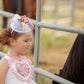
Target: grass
{"points": [[44, 16], [60, 41], [44, 80], [5, 49], [80, 9], [0, 3]]}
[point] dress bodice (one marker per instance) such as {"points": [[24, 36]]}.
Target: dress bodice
{"points": [[20, 71]]}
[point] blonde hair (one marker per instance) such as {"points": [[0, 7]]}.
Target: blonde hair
{"points": [[6, 34]]}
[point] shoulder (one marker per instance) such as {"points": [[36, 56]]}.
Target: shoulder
{"points": [[4, 64], [3, 70]]}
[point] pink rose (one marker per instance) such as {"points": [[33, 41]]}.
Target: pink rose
{"points": [[22, 18]]}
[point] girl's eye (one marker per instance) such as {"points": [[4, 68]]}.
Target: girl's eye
{"points": [[28, 40]]}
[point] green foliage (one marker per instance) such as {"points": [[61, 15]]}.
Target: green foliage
{"points": [[44, 80], [0, 3], [5, 49], [47, 16], [60, 41]]}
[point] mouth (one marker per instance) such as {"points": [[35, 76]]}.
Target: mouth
{"points": [[27, 48]]}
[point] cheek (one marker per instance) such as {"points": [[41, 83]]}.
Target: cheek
{"points": [[21, 48], [21, 45]]}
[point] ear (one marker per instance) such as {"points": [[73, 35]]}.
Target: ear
{"points": [[12, 41]]}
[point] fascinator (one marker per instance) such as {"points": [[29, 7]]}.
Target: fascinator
{"points": [[20, 24]]}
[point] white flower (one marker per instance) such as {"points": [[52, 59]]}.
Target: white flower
{"points": [[17, 16]]}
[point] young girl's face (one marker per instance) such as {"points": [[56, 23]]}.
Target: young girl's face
{"points": [[23, 43]]}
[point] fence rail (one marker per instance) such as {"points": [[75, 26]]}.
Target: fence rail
{"points": [[47, 25], [39, 24]]}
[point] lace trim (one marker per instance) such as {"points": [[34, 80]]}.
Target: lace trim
{"points": [[21, 67]]}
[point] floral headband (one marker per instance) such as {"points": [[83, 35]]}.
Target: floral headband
{"points": [[20, 24]]}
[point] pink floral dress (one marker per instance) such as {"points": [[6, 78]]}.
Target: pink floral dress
{"points": [[20, 70]]}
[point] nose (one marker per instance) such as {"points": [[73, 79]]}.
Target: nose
{"points": [[29, 43]]}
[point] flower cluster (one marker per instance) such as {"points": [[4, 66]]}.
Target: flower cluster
{"points": [[23, 69], [24, 19]]}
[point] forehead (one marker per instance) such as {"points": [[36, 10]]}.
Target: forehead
{"points": [[26, 35]]}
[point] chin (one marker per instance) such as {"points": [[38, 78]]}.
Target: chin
{"points": [[25, 52]]}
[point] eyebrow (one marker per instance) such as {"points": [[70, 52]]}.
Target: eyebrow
{"points": [[28, 38]]}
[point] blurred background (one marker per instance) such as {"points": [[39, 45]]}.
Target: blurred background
{"points": [[55, 45]]}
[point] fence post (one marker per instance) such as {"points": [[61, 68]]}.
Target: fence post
{"points": [[73, 2], [37, 38]]}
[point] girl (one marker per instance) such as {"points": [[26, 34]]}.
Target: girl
{"points": [[14, 67]]}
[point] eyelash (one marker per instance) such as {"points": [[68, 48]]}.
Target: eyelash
{"points": [[28, 40]]}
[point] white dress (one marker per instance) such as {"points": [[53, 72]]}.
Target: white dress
{"points": [[20, 71]]}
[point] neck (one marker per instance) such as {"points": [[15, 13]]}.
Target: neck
{"points": [[13, 53]]}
